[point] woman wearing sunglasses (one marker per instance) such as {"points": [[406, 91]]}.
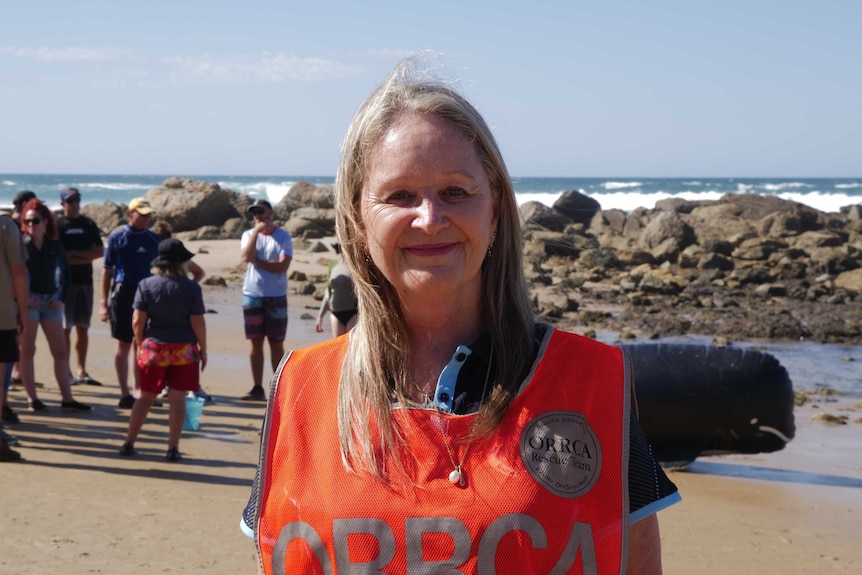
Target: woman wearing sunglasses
{"points": [[48, 274]]}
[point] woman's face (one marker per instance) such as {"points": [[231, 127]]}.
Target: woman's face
{"points": [[427, 209], [34, 223]]}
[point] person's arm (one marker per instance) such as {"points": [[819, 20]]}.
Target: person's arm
{"points": [[644, 547], [78, 257], [277, 267], [64, 275], [20, 290], [104, 290], [199, 326], [324, 307], [139, 322], [249, 250], [197, 272], [94, 252]]}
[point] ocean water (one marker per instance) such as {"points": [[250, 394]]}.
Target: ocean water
{"points": [[825, 194]]}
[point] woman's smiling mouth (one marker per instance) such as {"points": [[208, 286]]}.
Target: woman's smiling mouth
{"points": [[428, 250]]}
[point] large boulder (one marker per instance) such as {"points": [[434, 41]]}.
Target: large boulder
{"points": [[757, 207], [538, 216], [664, 226], [579, 207], [302, 194], [108, 216], [188, 204], [718, 222]]}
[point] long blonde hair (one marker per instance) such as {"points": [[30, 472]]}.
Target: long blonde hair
{"points": [[375, 369]]}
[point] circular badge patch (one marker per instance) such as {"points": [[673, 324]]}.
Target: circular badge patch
{"points": [[562, 453]]}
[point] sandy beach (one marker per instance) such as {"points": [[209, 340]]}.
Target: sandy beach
{"points": [[74, 506]]}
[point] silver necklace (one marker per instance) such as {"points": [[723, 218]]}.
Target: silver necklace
{"points": [[456, 476]]}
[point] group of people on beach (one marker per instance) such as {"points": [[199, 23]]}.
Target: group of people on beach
{"points": [[49, 263], [55, 265]]}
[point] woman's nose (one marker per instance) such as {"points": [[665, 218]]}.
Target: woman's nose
{"points": [[430, 215]]}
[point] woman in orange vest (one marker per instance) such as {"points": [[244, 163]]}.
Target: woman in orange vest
{"points": [[447, 432]]}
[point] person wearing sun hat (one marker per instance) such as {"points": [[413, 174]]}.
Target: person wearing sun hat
{"points": [[170, 339], [128, 255], [82, 240]]}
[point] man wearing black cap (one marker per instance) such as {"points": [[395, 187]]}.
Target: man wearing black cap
{"points": [[82, 240], [267, 249]]}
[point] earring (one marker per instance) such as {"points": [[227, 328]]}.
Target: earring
{"points": [[491, 247]]}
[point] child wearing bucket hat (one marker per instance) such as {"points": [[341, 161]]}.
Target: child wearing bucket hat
{"points": [[170, 334]]}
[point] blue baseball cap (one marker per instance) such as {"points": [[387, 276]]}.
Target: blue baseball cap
{"points": [[68, 193]]}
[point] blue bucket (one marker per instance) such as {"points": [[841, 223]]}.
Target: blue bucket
{"points": [[194, 408]]}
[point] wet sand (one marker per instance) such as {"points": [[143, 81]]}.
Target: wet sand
{"points": [[75, 506]]}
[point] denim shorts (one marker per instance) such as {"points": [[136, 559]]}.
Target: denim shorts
{"points": [[43, 312]]}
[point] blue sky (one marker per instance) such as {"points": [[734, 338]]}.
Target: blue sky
{"points": [[570, 88]]}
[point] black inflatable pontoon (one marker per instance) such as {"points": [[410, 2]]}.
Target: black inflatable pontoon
{"points": [[701, 400]]}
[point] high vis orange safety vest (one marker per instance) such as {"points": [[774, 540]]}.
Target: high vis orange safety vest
{"points": [[545, 493]]}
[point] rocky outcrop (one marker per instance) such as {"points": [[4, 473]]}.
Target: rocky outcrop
{"points": [[204, 210], [740, 267], [743, 266]]}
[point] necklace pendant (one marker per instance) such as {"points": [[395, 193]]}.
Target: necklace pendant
{"points": [[456, 477]]}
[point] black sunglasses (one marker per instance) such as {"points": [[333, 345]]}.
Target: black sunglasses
{"points": [[258, 211], [34, 221], [73, 200]]}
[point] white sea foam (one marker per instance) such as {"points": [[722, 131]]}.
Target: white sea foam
{"points": [[543, 198], [785, 186], [694, 183], [628, 201], [848, 186], [821, 201], [621, 185], [275, 192], [120, 187], [265, 190], [9, 183]]}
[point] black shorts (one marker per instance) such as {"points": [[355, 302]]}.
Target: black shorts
{"points": [[79, 305], [345, 316], [8, 346], [122, 298]]}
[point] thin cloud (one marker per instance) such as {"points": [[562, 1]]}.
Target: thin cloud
{"points": [[390, 53], [268, 67], [65, 54]]}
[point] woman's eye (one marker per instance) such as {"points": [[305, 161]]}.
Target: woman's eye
{"points": [[399, 196], [454, 192]]}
